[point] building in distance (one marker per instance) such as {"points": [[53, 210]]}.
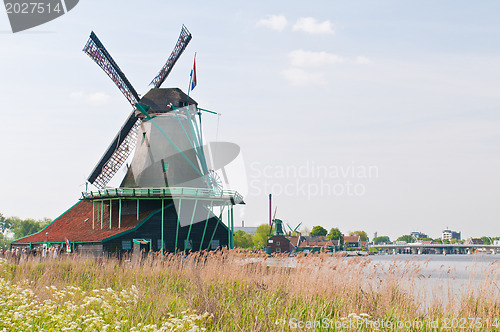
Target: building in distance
{"points": [[448, 234], [419, 235], [247, 229]]}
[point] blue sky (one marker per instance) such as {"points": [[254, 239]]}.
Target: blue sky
{"points": [[409, 88]]}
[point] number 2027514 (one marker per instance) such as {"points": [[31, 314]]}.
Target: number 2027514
{"points": [[32, 8]]}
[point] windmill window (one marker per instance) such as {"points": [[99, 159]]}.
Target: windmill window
{"points": [[126, 244], [143, 137], [278, 249], [277, 243]]}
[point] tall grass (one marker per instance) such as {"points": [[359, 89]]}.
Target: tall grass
{"points": [[230, 291]]}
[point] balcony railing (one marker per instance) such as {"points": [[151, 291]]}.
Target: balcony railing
{"points": [[167, 192]]}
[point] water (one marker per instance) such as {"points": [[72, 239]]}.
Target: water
{"points": [[429, 277], [452, 267], [449, 277]]}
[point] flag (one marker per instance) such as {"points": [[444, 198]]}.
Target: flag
{"points": [[193, 74], [68, 245]]}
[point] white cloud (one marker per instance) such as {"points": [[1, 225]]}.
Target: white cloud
{"points": [[275, 22], [362, 60], [298, 76], [97, 98], [310, 25], [301, 58]]}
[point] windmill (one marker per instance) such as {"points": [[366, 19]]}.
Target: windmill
{"points": [[277, 224], [294, 230], [170, 198], [169, 152], [125, 140]]}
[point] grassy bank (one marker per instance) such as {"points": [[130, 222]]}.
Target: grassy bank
{"points": [[233, 292]]}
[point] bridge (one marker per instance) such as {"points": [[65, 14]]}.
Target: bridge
{"points": [[436, 248]]}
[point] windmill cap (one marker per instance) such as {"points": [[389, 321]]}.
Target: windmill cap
{"points": [[159, 99]]}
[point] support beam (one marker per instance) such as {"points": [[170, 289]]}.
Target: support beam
{"points": [[191, 223], [102, 212], [137, 209], [228, 228], [178, 222], [232, 228], [93, 214], [162, 224], [215, 229], [206, 224], [119, 213], [110, 212]]}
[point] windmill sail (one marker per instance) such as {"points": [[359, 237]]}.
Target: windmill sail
{"points": [[96, 50], [117, 153], [124, 142], [180, 46]]}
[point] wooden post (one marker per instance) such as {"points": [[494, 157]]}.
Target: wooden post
{"points": [[178, 222], [119, 213], [110, 212], [191, 223], [206, 224], [102, 212], [162, 223]]}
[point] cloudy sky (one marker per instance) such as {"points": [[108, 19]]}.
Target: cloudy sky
{"points": [[373, 115]]}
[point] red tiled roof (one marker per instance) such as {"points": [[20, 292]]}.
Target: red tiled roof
{"points": [[351, 239], [304, 244], [72, 225]]}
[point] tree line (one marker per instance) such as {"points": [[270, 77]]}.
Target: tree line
{"points": [[411, 239], [14, 228], [259, 239]]}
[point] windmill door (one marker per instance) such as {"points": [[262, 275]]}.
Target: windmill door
{"points": [[141, 247]]}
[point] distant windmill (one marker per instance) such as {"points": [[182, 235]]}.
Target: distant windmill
{"points": [[295, 230]]}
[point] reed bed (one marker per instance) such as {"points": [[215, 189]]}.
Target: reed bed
{"points": [[236, 291]]}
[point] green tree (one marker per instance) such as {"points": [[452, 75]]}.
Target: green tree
{"points": [[381, 239], [362, 235], [319, 231], [406, 238], [4, 224], [336, 234], [23, 227], [261, 236], [243, 240], [486, 240], [4, 241]]}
